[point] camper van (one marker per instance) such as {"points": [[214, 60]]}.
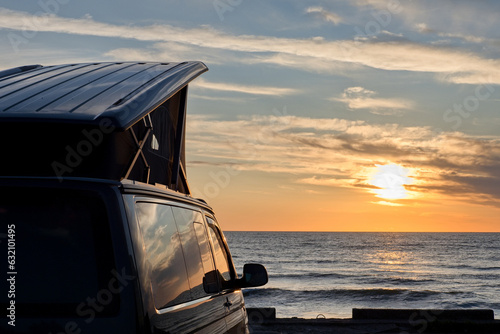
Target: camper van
{"points": [[99, 231]]}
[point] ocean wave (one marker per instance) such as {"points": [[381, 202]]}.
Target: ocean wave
{"points": [[487, 268], [368, 293], [471, 267], [341, 261], [310, 275], [397, 280], [410, 280], [361, 276]]}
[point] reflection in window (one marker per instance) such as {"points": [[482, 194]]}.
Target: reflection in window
{"points": [[219, 253], [210, 283], [164, 252], [185, 223]]}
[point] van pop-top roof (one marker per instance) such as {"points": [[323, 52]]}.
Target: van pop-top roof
{"points": [[101, 120]]}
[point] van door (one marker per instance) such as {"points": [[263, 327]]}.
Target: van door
{"points": [[236, 319], [186, 297]]}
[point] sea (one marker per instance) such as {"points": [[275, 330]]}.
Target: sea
{"points": [[316, 274]]}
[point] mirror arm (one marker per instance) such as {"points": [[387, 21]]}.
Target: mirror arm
{"points": [[240, 283]]}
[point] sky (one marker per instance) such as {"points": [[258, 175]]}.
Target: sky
{"points": [[340, 115]]}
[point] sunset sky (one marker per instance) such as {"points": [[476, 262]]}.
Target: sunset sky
{"points": [[345, 115]]}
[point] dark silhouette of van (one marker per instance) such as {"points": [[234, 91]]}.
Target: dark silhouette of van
{"points": [[99, 231]]}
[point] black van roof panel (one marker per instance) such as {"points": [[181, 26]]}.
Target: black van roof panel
{"points": [[123, 92]]}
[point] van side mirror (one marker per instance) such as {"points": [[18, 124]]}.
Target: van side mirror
{"points": [[253, 275], [210, 282]]}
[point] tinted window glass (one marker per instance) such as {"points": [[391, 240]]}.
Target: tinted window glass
{"points": [[163, 247], [185, 223], [210, 282], [220, 254], [62, 248]]}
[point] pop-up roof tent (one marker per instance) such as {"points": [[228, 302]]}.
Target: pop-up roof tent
{"points": [[99, 120]]}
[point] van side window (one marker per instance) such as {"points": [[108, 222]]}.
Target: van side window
{"points": [[221, 259], [185, 220], [164, 251], [210, 282]]}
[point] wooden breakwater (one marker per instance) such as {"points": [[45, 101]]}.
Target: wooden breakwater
{"points": [[401, 321]]}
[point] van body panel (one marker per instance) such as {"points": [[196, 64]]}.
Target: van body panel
{"points": [[206, 316], [236, 318], [52, 280]]}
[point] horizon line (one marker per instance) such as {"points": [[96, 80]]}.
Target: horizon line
{"points": [[366, 231]]}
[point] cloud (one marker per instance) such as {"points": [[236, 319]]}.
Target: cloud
{"points": [[448, 64], [327, 182], [237, 88], [374, 3], [307, 63], [388, 203], [344, 153], [362, 98], [423, 28], [325, 15], [175, 51], [36, 55], [449, 19], [218, 98]]}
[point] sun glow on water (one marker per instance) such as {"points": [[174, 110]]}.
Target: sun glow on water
{"points": [[390, 181]]}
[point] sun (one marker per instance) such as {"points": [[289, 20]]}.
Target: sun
{"points": [[390, 180]]}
